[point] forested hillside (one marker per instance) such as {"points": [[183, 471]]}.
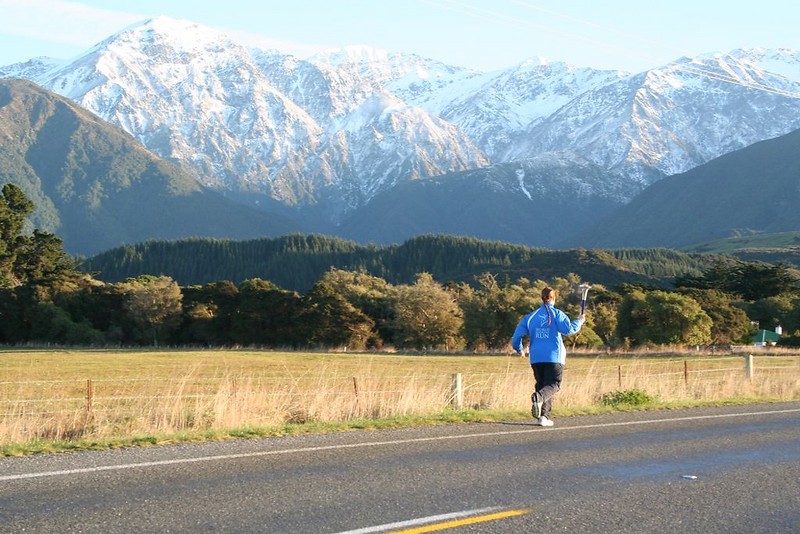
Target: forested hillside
{"points": [[775, 248], [296, 262], [750, 191]]}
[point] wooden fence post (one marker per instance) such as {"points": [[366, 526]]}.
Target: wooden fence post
{"points": [[685, 371], [749, 370], [89, 396], [457, 392]]}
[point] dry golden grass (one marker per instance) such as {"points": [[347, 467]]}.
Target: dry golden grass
{"points": [[71, 395]]}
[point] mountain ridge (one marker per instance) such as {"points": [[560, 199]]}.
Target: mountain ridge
{"points": [[748, 191], [96, 187]]}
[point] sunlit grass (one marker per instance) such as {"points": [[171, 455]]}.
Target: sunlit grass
{"points": [[72, 399]]}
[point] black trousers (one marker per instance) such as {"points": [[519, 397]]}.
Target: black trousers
{"points": [[548, 382]]}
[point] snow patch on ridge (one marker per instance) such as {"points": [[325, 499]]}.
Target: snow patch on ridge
{"points": [[521, 180]]}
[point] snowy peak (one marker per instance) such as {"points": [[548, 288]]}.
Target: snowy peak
{"points": [[351, 55], [380, 64], [500, 110], [170, 35], [260, 121], [33, 68], [357, 73], [193, 95], [782, 61], [670, 119]]}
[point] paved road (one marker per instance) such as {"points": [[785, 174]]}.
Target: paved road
{"points": [[611, 473]]}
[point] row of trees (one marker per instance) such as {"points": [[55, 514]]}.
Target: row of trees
{"points": [[359, 311], [44, 299]]}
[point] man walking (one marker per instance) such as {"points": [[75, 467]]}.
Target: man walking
{"points": [[544, 327]]}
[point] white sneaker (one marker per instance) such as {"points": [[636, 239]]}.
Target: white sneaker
{"points": [[536, 406], [544, 421]]}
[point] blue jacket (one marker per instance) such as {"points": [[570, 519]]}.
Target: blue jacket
{"points": [[546, 343]]}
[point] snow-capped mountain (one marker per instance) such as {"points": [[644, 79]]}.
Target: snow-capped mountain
{"points": [[193, 95], [500, 113], [31, 69], [97, 188], [333, 132], [668, 120]]}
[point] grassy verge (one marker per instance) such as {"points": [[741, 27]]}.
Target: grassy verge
{"points": [[446, 417]]}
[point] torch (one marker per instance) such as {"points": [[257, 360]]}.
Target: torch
{"points": [[584, 292]]}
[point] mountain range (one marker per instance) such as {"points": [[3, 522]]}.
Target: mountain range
{"points": [[376, 146], [98, 187]]}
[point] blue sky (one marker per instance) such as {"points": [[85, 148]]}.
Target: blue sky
{"points": [[482, 34]]}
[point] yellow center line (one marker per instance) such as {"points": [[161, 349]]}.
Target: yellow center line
{"points": [[461, 522]]}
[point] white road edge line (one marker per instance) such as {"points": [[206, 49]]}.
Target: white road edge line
{"points": [[215, 458], [422, 521]]}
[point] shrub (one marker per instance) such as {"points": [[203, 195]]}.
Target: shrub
{"points": [[628, 397]]}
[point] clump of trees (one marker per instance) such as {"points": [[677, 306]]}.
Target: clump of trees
{"points": [[44, 299]]}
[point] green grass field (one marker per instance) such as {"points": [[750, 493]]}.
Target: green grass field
{"points": [[77, 399], [756, 241]]}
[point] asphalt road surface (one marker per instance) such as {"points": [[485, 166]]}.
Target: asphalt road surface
{"points": [[730, 469]]}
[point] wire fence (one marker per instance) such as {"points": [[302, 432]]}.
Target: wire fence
{"points": [[65, 409], [94, 393]]}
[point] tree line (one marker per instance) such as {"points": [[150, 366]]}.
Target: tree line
{"points": [[297, 262], [45, 299]]}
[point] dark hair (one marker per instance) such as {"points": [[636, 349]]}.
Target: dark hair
{"points": [[547, 293]]}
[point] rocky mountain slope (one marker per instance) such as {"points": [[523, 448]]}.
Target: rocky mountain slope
{"points": [[535, 202], [96, 187]]}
